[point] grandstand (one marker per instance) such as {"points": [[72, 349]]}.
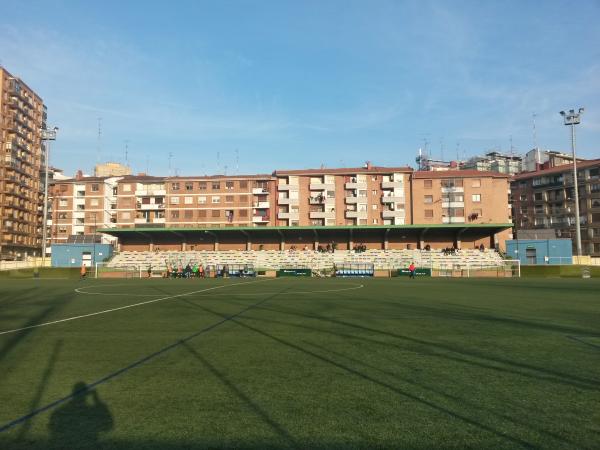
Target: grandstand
{"points": [[276, 260]]}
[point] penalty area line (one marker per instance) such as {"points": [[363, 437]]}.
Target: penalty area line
{"points": [[106, 311]]}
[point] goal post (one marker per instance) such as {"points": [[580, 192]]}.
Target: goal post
{"points": [[102, 270]]}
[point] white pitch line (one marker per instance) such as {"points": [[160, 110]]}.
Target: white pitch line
{"points": [[356, 286], [127, 306]]}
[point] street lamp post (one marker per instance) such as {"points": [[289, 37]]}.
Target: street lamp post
{"points": [[573, 118], [47, 135]]}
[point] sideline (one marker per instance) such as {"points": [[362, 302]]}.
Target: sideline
{"points": [[106, 311]]}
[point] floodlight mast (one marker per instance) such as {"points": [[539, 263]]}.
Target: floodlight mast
{"points": [[572, 118], [46, 135]]}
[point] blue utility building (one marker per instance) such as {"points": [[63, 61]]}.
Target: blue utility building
{"points": [[74, 255], [540, 251]]}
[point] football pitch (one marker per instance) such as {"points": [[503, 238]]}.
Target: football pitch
{"points": [[299, 363]]}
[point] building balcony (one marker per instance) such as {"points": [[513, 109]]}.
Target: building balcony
{"points": [[356, 185], [151, 193], [322, 214], [392, 214], [392, 199], [392, 185], [453, 219], [151, 206], [288, 201], [288, 187], [158, 220], [261, 205], [260, 191], [321, 200], [352, 199], [453, 204], [79, 215], [356, 214], [289, 215], [454, 189], [141, 220], [321, 186], [260, 219]]}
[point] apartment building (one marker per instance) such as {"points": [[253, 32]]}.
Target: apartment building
{"points": [[353, 196], [22, 116], [210, 201], [80, 206], [546, 199]]}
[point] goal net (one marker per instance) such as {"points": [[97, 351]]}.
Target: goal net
{"points": [[102, 270]]}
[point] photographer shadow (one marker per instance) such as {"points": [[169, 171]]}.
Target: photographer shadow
{"points": [[81, 421]]}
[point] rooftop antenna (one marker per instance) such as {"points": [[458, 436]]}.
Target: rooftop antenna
{"points": [[535, 146], [512, 149], [237, 161], [442, 148], [457, 151], [147, 164], [218, 162], [126, 152], [99, 149], [170, 158], [225, 169]]}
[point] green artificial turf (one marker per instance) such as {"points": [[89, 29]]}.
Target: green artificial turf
{"points": [[302, 363]]}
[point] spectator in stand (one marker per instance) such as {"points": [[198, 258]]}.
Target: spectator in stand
{"points": [[481, 247], [201, 271], [180, 271]]}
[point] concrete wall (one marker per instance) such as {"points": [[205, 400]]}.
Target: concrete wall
{"points": [[547, 251]]}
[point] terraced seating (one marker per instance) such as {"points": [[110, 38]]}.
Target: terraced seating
{"points": [[273, 259]]}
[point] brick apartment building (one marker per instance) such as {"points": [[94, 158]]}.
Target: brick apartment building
{"points": [[375, 198], [544, 199], [22, 116]]}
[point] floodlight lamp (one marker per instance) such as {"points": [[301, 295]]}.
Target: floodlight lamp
{"points": [[562, 113], [572, 111], [581, 110]]}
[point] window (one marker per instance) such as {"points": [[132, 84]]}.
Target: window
{"points": [[374, 207], [229, 199], [243, 199], [174, 200], [427, 184], [201, 200], [476, 183], [188, 213], [94, 202], [538, 196], [216, 185], [428, 199], [62, 202], [95, 187], [174, 214], [374, 178], [189, 186], [375, 221], [126, 188], [202, 185], [126, 215], [188, 200], [523, 198], [477, 213], [202, 213], [362, 193], [216, 199], [175, 186], [62, 230], [63, 188], [374, 192], [62, 215], [243, 184], [476, 198], [229, 185], [429, 213], [215, 213]]}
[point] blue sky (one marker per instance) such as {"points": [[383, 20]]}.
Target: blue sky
{"points": [[299, 84]]}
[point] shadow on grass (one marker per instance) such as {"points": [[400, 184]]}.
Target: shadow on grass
{"points": [[439, 408], [440, 350], [268, 420], [81, 421]]}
